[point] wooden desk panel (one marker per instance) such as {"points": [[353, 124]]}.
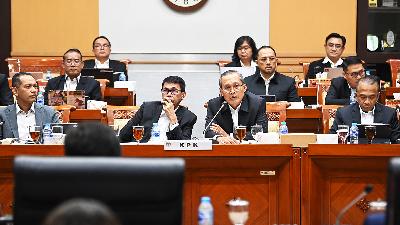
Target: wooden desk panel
{"points": [[333, 175], [119, 96], [224, 173], [304, 120]]}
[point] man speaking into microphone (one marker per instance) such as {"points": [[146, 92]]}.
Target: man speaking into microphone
{"points": [[236, 106]]}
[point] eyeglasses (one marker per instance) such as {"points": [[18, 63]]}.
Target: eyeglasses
{"points": [[263, 60], [360, 73], [228, 88], [97, 46], [69, 62], [245, 48], [338, 46], [173, 91]]}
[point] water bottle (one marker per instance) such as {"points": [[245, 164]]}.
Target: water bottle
{"points": [[48, 75], [122, 77], [283, 129], [47, 134], [354, 133], [206, 211], [155, 133], [40, 98]]}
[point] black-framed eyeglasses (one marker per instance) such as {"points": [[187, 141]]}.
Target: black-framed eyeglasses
{"points": [[172, 91], [97, 46], [360, 73], [228, 88]]}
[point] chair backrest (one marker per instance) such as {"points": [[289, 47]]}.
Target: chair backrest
{"points": [[322, 86], [276, 113], [395, 70], [64, 112], [328, 116], [305, 66], [88, 115], [222, 63], [103, 85], [393, 103], [139, 191], [35, 65], [120, 115]]}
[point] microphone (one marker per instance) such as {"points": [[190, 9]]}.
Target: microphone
{"points": [[367, 189], [216, 114]]}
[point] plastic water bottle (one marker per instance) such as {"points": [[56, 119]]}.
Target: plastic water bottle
{"points": [[354, 133], [48, 75], [40, 98], [206, 211], [155, 133], [283, 129], [47, 134], [122, 77]]}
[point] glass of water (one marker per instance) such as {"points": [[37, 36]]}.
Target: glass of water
{"points": [[255, 130]]}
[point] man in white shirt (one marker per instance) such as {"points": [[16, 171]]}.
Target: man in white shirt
{"points": [[18, 117], [367, 110]]}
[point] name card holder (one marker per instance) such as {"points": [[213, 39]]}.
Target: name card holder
{"points": [[188, 145]]}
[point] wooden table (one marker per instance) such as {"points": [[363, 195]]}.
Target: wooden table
{"points": [[304, 120], [119, 96], [266, 175], [308, 94]]}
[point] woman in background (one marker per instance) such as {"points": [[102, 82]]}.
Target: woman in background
{"points": [[244, 53]]}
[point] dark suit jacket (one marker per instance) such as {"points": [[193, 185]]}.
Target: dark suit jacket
{"points": [[317, 67], [6, 97], [382, 114], [283, 87], [149, 113], [88, 84], [251, 112], [338, 93], [115, 65]]}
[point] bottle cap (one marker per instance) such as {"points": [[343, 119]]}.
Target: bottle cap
{"points": [[283, 123], [205, 199], [353, 124]]}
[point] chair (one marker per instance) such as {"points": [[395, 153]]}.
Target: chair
{"points": [[88, 115], [322, 86], [103, 85], [393, 103], [64, 112], [222, 63], [35, 65], [276, 113], [328, 116], [305, 66], [138, 190], [395, 71], [120, 115]]}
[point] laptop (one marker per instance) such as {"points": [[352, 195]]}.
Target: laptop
{"points": [[334, 72], [66, 126], [101, 74], [382, 135], [60, 97]]}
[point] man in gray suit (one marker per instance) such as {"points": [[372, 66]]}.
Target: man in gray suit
{"points": [[18, 117]]}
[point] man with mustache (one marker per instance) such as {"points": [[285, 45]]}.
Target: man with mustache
{"points": [[266, 81], [72, 80]]}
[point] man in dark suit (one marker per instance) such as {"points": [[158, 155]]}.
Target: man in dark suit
{"points": [[72, 81], [18, 117], [367, 110], [236, 106], [175, 121], [102, 50], [343, 89], [6, 97], [334, 47], [266, 81]]}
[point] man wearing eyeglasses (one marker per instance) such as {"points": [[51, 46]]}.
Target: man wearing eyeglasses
{"points": [[236, 106], [266, 81], [175, 121], [72, 80], [343, 89], [367, 110], [334, 47], [102, 50]]}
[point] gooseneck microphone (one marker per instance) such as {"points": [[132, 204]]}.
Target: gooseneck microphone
{"points": [[367, 189], [216, 114]]}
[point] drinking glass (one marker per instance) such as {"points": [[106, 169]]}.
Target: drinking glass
{"points": [[34, 132], [58, 134], [115, 128], [342, 132], [255, 130], [138, 133], [370, 132], [238, 211], [240, 132]]}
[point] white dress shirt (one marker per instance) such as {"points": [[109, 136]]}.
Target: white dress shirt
{"points": [[333, 65], [252, 64], [71, 84], [267, 81], [24, 120], [367, 117], [235, 115], [99, 65], [165, 125]]}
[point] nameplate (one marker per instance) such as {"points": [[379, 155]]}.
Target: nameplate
{"points": [[188, 145]]}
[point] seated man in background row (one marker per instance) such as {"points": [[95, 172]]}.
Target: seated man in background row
{"points": [[266, 81], [175, 121], [242, 108], [102, 50], [367, 110], [334, 47], [18, 117], [91, 139], [72, 80], [6, 97], [343, 89]]}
